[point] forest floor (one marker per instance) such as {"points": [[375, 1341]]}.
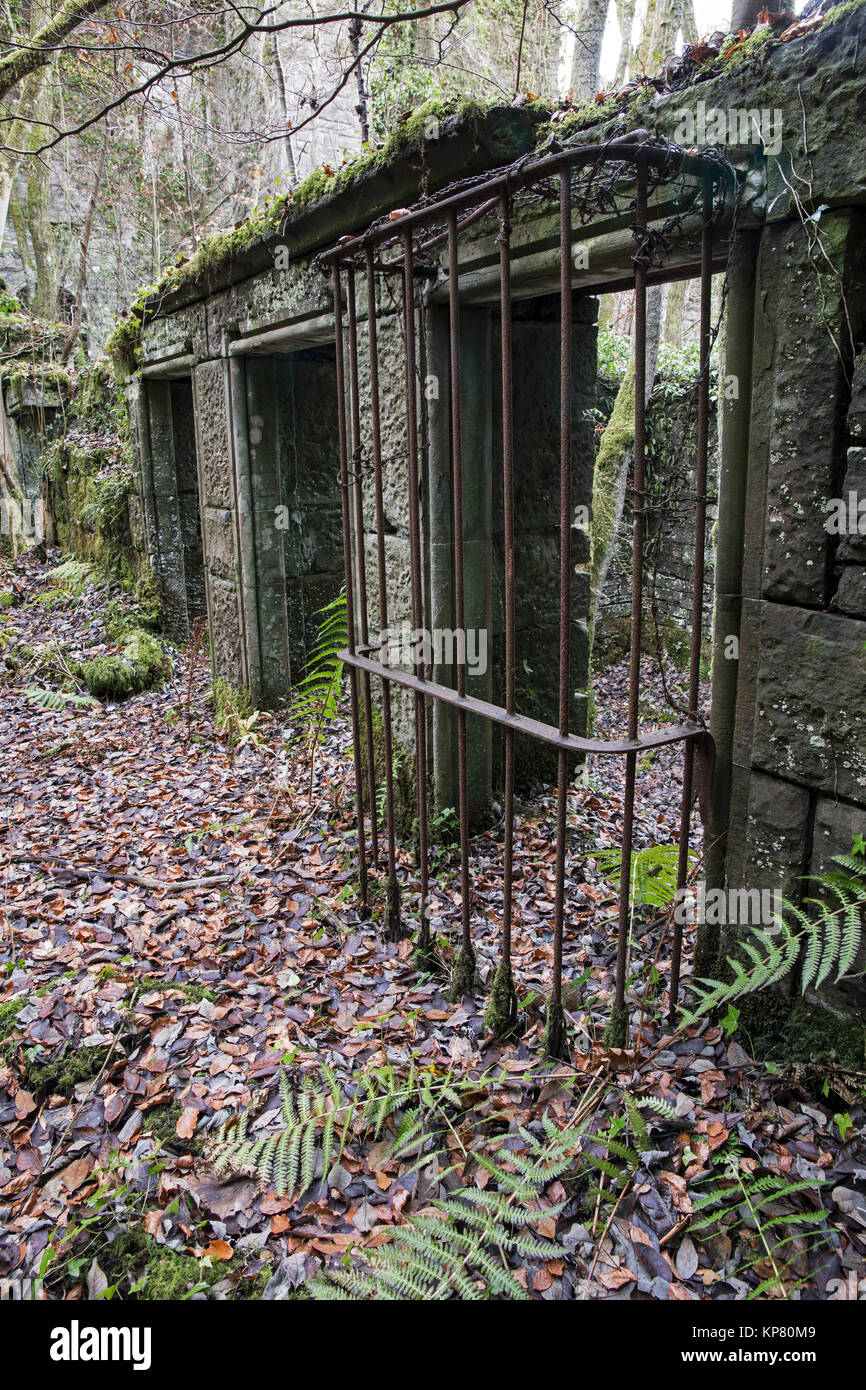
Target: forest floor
{"points": [[181, 930]]}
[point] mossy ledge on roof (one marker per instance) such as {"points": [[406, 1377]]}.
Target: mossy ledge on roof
{"points": [[473, 138]]}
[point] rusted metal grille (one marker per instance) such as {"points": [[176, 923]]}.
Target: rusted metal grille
{"points": [[586, 182]]}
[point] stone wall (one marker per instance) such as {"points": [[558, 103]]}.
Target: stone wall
{"points": [[799, 751], [669, 562]]}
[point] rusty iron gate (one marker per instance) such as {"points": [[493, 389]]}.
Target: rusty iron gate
{"points": [[585, 181]]}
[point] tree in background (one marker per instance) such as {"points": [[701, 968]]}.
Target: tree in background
{"points": [[130, 133]]}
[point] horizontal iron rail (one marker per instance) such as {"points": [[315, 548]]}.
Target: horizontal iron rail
{"points": [[521, 723], [666, 159]]}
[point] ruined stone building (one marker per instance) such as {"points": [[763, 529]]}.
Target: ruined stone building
{"points": [[236, 404]]}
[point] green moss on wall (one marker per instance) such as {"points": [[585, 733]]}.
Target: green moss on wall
{"points": [[777, 1027], [91, 476]]}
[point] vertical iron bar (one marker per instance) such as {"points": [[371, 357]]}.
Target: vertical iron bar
{"points": [[417, 595], [698, 574], [502, 1011], [619, 1019], [465, 969], [555, 1034], [363, 626], [347, 566], [393, 927]]}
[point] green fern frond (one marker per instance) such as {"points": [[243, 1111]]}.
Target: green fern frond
{"points": [[653, 873], [466, 1251], [316, 695], [662, 1108], [57, 699]]}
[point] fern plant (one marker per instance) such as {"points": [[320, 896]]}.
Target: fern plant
{"points": [[653, 873], [57, 699], [621, 1159], [318, 1122], [765, 1204], [316, 696], [825, 941], [465, 1250]]}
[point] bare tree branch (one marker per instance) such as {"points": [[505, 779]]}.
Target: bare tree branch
{"points": [[265, 21]]}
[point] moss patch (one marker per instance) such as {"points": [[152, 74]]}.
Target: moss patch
{"points": [[61, 1076], [161, 1122], [142, 665], [781, 1028], [9, 1012], [165, 1275], [90, 477]]}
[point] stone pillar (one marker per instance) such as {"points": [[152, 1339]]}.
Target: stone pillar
{"points": [[217, 499], [734, 415], [267, 540], [798, 769]]}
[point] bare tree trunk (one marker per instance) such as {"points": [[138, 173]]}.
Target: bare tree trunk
{"points": [[363, 109], [691, 33], [615, 455], [625, 16], [81, 283], [19, 222], [659, 37], [288, 148], [44, 303], [18, 137], [745, 14], [590, 25]]}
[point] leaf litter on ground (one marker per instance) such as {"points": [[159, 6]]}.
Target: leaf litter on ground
{"points": [[181, 926]]}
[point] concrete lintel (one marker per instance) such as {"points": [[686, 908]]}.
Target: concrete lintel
{"points": [[535, 267], [286, 337]]}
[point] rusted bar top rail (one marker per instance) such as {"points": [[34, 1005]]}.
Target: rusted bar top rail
{"points": [[667, 160], [521, 723]]}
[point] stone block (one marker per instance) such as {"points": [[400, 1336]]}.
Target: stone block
{"points": [[768, 833], [810, 699], [851, 594]]}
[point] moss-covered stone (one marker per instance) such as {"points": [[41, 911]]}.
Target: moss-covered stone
{"points": [[124, 344], [785, 1028], [143, 665], [91, 475]]}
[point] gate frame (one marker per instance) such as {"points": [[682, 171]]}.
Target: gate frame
{"points": [[484, 197]]}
